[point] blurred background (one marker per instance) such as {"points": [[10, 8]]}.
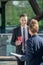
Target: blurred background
{"points": [[9, 19]]}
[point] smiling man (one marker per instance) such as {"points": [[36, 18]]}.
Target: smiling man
{"points": [[20, 36]]}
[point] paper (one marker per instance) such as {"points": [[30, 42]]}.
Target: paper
{"points": [[20, 38], [21, 57]]}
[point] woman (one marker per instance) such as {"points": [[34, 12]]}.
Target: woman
{"points": [[34, 49]]}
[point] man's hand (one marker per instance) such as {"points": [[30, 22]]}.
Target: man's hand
{"points": [[17, 43]]}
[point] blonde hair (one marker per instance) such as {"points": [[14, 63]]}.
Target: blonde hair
{"points": [[34, 27]]}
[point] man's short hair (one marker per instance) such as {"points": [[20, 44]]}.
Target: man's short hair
{"points": [[34, 27], [23, 15]]}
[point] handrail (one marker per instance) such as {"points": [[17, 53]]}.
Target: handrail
{"points": [[8, 58]]}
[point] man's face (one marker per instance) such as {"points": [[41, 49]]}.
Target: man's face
{"points": [[23, 20]]}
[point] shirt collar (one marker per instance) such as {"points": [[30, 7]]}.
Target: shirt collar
{"points": [[25, 27]]}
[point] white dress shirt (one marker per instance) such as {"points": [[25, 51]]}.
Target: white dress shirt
{"points": [[26, 34]]}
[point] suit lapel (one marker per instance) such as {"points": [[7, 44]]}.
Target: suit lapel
{"points": [[27, 28], [19, 31]]}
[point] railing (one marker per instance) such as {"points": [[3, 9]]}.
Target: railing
{"points": [[8, 58], [4, 40], [5, 44]]}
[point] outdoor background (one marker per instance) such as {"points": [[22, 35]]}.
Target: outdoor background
{"points": [[13, 10]]}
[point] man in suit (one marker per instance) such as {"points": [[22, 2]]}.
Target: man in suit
{"points": [[18, 32], [34, 49]]}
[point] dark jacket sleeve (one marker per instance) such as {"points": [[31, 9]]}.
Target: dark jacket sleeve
{"points": [[13, 37], [41, 48], [29, 50], [38, 47]]}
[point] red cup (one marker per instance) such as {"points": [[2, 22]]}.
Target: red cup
{"points": [[20, 38]]}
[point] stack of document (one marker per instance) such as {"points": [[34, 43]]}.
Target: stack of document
{"points": [[21, 57]]}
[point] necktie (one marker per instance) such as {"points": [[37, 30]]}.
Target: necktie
{"points": [[23, 44], [24, 35]]}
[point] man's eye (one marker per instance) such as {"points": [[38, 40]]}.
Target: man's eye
{"points": [[23, 20]]}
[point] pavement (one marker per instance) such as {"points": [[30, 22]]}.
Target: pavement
{"points": [[8, 63]]}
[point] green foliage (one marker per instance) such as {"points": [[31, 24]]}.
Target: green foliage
{"points": [[41, 25], [13, 12], [40, 3]]}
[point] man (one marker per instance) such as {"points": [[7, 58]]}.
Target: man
{"points": [[34, 49], [18, 32]]}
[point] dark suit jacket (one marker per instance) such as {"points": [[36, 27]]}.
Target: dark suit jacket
{"points": [[34, 50], [16, 33]]}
